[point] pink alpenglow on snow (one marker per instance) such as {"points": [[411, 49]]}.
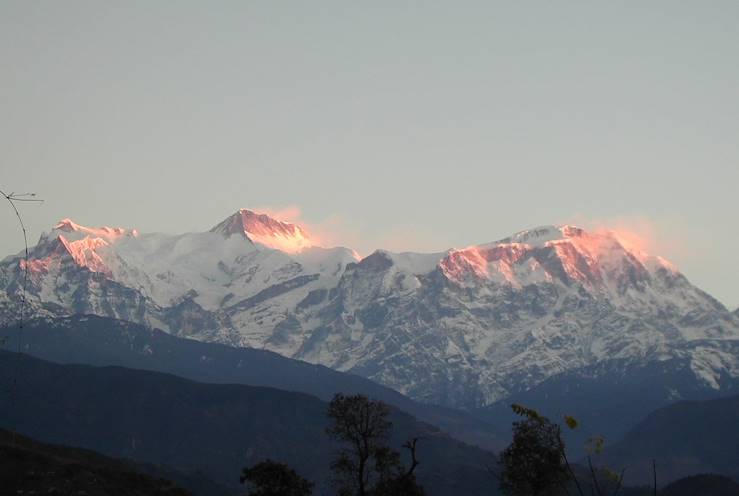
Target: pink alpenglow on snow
{"points": [[554, 253], [80, 244], [262, 229], [104, 232]]}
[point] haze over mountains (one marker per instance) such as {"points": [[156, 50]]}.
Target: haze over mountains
{"points": [[463, 328]]}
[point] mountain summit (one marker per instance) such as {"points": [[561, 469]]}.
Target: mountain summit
{"points": [[465, 328], [600, 261], [69, 242], [263, 229], [76, 231]]}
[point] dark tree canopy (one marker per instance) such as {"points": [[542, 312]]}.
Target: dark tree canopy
{"points": [[357, 419], [533, 465], [270, 478]]}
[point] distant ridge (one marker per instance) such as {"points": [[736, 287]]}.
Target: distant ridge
{"points": [[687, 438]]}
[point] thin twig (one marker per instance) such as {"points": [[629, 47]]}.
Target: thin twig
{"points": [[594, 476], [654, 471], [619, 482], [572, 473]]}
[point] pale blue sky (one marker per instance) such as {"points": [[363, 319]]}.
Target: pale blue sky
{"points": [[408, 125]]}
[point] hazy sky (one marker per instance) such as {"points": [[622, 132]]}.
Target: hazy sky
{"points": [[405, 125]]}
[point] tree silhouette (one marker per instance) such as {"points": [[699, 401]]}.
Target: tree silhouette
{"points": [[532, 464], [535, 463], [401, 483], [271, 478], [366, 465]]}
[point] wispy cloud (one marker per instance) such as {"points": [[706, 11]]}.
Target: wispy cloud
{"points": [[643, 233]]}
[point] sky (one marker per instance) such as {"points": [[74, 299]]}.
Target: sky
{"points": [[403, 125]]}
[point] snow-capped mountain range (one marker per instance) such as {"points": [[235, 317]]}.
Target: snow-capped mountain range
{"points": [[464, 328]]}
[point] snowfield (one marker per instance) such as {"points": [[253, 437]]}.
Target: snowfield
{"points": [[462, 328]]}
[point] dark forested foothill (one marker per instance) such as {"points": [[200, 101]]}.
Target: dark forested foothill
{"points": [[702, 485], [30, 467], [215, 428]]}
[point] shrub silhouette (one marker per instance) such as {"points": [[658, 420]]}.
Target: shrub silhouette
{"points": [[532, 465], [271, 478]]}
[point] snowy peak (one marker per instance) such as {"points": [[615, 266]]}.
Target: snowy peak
{"points": [[566, 254], [53, 251], [76, 231], [546, 235], [264, 230], [463, 327], [541, 235], [69, 241]]}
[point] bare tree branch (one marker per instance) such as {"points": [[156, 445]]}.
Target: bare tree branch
{"points": [[411, 446]]}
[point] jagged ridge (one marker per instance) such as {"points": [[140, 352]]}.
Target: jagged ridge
{"points": [[464, 327]]}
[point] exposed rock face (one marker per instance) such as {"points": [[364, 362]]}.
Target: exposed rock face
{"points": [[462, 328]]}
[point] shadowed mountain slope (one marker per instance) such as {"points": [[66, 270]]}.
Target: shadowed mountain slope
{"points": [[702, 485], [217, 428], [30, 467], [687, 438], [608, 399], [102, 341]]}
